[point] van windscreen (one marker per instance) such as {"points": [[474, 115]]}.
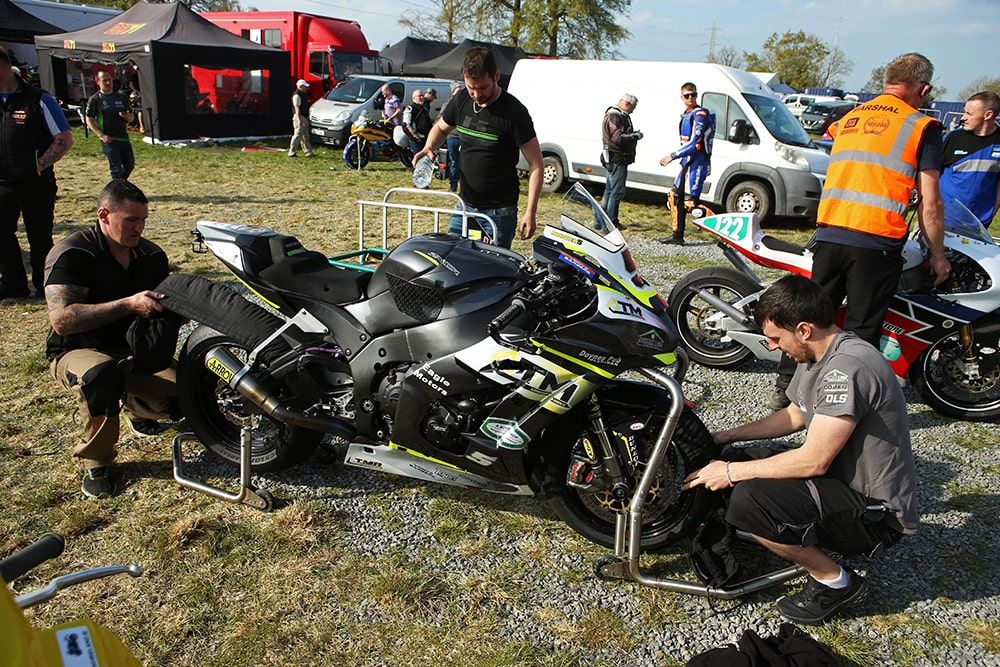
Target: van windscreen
{"points": [[779, 120], [354, 90]]}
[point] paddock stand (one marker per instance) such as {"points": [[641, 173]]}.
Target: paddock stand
{"points": [[624, 564], [248, 495]]}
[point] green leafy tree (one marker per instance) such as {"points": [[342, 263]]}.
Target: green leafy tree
{"points": [[979, 85], [575, 28], [800, 60]]}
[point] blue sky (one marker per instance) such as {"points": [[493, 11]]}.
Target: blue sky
{"points": [[960, 37]]}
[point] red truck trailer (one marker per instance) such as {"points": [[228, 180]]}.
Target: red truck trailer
{"points": [[324, 50]]}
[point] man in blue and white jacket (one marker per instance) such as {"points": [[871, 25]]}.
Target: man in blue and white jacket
{"points": [[972, 158], [697, 130]]}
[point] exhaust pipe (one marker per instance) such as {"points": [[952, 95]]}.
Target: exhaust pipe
{"points": [[233, 372]]}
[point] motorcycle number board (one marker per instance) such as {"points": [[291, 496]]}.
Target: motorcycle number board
{"points": [[732, 227]]}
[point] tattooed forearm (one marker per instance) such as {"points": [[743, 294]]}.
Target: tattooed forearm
{"points": [[69, 314], [61, 144]]}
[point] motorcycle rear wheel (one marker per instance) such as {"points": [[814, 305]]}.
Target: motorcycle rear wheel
{"points": [[357, 154], [692, 315], [669, 514], [216, 413], [951, 387]]}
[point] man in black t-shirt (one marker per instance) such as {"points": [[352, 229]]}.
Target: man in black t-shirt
{"points": [[494, 126], [98, 281]]}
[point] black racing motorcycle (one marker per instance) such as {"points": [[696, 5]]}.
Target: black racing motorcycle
{"points": [[457, 362]]}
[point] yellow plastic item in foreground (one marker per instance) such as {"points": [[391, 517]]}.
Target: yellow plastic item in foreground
{"points": [[80, 643]]}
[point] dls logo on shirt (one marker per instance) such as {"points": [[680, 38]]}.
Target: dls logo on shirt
{"points": [[835, 387]]}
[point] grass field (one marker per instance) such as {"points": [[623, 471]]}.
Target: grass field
{"points": [[227, 585]]}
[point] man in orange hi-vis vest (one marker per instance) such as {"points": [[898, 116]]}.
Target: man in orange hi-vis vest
{"points": [[881, 151]]}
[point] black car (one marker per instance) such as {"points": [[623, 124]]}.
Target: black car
{"points": [[819, 116]]}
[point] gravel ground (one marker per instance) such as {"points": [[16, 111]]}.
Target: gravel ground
{"points": [[926, 592]]}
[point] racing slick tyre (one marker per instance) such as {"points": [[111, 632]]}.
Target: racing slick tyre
{"points": [[216, 413], [636, 414], [697, 321], [952, 385]]}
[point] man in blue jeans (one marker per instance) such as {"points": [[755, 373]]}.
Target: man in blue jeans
{"points": [[620, 141], [108, 114], [494, 127]]}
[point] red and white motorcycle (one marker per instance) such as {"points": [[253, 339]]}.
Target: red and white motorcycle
{"points": [[943, 339]]}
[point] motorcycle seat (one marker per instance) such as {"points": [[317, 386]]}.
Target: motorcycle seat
{"points": [[309, 273], [778, 245]]}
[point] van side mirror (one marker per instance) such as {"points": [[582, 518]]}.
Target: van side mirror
{"points": [[739, 132]]}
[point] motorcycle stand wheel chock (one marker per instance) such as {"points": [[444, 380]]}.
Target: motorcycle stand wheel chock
{"points": [[248, 495], [624, 564]]}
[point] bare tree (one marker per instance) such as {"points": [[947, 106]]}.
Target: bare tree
{"points": [[452, 20], [836, 66], [727, 55], [979, 85]]}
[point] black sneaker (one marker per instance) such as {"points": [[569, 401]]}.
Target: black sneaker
{"points": [[98, 483], [143, 427], [672, 240], [815, 602]]}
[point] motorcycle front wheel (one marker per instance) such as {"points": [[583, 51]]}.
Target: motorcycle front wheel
{"points": [[952, 386], [697, 320], [357, 153], [669, 514], [217, 413]]}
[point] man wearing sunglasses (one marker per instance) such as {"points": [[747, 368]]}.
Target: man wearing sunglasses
{"points": [[697, 129], [881, 150]]}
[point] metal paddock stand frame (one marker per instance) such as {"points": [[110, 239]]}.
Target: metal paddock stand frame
{"points": [[624, 564], [247, 495]]}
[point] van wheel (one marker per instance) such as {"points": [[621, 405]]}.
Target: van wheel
{"points": [[553, 177], [750, 197]]}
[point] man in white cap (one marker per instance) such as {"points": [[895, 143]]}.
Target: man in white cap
{"points": [[300, 119]]}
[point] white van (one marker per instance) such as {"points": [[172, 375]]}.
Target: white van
{"points": [[330, 116], [762, 160]]}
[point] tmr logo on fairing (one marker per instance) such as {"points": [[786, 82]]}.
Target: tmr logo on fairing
{"points": [[220, 369], [505, 432], [619, 307]]}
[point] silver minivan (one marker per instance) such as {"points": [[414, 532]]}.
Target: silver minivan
{"points": [[330, 117]]}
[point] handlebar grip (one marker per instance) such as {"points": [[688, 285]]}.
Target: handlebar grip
{"points": [[45, 547], [501, 321]]}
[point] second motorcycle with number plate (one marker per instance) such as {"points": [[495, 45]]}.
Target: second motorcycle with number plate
{"points": [[945, 340], [455, 362]]}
